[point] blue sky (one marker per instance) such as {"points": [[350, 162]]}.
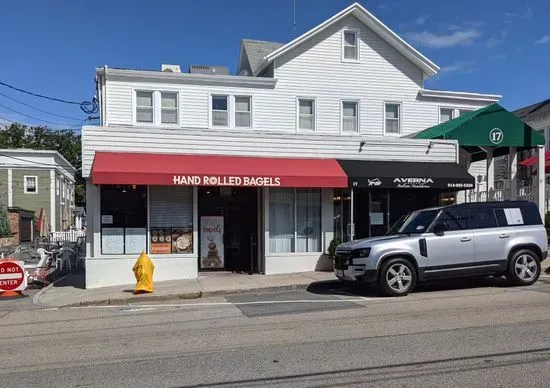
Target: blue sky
{"points": [[52, 47]]}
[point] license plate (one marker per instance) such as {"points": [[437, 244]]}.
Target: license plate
{"points": [[339, 272]]}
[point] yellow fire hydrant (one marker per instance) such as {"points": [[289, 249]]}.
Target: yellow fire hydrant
{"points": [[143, 271]]}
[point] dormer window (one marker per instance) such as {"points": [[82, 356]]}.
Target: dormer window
{"points": [[350, 45]]}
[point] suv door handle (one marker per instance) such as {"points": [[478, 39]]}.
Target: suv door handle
{"points": [[504, 236], [466, 239]]}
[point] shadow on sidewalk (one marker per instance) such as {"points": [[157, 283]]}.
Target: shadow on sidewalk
{"points": [[76, 279]]}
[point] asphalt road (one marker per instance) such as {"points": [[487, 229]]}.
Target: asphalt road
{"points": [[453, 334]]}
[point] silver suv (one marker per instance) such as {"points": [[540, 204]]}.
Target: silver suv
{"points": [[485, 238]]}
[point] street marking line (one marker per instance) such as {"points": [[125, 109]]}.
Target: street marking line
{"points": [[214, 304]]}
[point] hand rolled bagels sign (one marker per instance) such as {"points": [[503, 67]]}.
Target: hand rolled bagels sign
{"points": [[240, 181]]}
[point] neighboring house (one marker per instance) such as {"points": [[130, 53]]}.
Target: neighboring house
{"points": [[258, 172], [538, 117], [35, 180]]}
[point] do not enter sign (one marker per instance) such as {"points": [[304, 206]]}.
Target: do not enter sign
{"points": [[12, 276]]}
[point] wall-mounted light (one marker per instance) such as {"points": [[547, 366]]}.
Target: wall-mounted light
{"points": [[361, 145]]}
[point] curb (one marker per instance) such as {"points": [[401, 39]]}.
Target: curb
{"points": [[36, 297], [188, 295]]}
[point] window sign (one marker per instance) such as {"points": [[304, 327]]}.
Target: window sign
{"points": [[161, 240], [112, 241], [513, 216], [135, 240], [212, 248], [182, 240]]}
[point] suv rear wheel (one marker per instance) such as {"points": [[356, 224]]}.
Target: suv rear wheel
{"points": [[523, 268], [397, 277]]}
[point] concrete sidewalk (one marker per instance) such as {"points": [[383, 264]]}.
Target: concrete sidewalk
{"points": [[70, 291]]}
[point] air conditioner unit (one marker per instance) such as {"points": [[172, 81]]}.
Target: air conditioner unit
{"points": [[171, 68]]}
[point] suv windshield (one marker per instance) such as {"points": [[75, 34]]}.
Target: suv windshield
{"points": [[414, 222]]}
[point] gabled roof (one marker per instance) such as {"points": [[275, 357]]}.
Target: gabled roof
{"points": [[257, 50], [370, 21], [535, 112]]}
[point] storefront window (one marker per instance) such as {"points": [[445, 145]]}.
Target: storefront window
{"points": [[123, 219], [171, 219], [294, 220]]}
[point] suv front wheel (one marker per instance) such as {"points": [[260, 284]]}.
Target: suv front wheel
{"points": [[523, 268], [397, 277]]}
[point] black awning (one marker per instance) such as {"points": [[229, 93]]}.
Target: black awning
{"points": [[395, 175]]}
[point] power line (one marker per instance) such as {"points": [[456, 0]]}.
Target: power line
{"points": [[40, 95], [32, 117], [89, 107], [38, 109], [3, 118], [65, 129]]}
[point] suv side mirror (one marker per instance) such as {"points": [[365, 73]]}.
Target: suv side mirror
{"points": [[440, 228]]}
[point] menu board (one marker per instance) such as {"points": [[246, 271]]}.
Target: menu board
{"points": [[211, 242], [135, 240], [112, 241], [182, 240], [161, 240]]}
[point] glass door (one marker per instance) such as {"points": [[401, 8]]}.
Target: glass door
{"points": [[341, 217], [378, 212]]}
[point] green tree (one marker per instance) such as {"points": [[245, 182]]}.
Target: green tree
{"points": [[66, 142], [4, 222]]}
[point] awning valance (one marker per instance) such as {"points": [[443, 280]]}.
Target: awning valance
{"points": [[213, 170], [380, 174], [492, 126], [533, 160]]}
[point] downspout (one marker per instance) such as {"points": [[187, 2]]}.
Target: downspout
{"points": [[104, 102]]}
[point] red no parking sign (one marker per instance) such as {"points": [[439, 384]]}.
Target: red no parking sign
{"points": [[12, 276]]}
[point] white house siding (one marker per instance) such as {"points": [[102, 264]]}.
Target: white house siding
{"points": [[315, 69], [250, 143]]}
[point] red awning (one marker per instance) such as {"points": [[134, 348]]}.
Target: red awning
{"points": [[211, 170], [533, 160]]}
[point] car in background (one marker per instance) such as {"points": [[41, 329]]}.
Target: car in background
{"points": [[483, 238]]}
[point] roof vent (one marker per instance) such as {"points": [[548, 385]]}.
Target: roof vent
{"points": [[171, 68], [213, 70]]}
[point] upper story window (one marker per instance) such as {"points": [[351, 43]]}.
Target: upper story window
{"points": [[220, 111], [446, 114], [243, 112], [350, 117], [306, 114], [30, 184], [392, 118], [144, 107], [350, 45], [462, 111], [169, 108]]}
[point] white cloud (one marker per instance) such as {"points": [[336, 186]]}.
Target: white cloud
{"points": [[528, 14], [420, 21], [494, 41], [459, 67], [457, 38], [543, 40], [498, 57], [476, 23]]}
